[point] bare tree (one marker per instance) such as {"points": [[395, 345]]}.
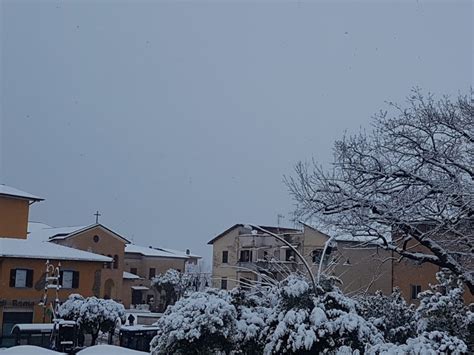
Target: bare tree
{"points": [[408, 182]]}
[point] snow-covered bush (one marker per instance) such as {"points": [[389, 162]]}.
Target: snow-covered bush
{"points": [[71, 308], [425, 344], [202, 323], [391, 314], [306, 323], [292, 318], [92, 314], [174, 284], [253, 310], [442, 308]]}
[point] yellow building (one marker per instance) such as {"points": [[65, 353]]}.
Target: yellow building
{"points": [[14, 211], [23, 269], [95, 238]]}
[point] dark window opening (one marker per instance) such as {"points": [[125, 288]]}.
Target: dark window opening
{"points": [[245, 256], [116, 261], [415, 290], [151, 273], [289, 255], [316, 255], [224, 283], [225, 257], [134, 271]]}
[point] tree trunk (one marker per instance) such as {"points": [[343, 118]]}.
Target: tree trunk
{"points": [[94, 338]]}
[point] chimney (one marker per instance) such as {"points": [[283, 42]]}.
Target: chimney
{"points": [[188, 252]]}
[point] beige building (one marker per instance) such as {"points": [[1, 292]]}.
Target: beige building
{"points": [[142, 264], [242, 257]]}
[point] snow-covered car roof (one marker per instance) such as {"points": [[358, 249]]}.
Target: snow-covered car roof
{"points": [[25, 248]]}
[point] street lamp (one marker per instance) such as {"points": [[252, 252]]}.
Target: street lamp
{"points": [[276, 236]]}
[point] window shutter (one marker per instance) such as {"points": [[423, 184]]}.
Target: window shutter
{"points": [[75, 279], [61, 277], [12, 277], [29, 278]]}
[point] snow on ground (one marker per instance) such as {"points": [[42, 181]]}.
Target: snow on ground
{"points": [[93, 350], [108, 349], [28, 350]]}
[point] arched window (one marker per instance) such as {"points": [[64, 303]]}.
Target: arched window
{"points": [[116, 261]]}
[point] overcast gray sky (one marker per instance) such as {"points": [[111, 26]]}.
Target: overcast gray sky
{"points": [[178, 119]]}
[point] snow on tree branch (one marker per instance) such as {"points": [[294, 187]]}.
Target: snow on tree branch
{"points": [[407, 182]]}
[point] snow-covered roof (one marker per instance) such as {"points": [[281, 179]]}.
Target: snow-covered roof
{"points": [[25, 248], [140, 288], [181, 253], [148, 251], [271, 229], [12, 192], [130, 276], [344, 236], [43, 232]]}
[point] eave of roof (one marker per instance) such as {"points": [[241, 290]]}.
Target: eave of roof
{"points": [[12, 192], [92, 226], [224, 233], [269, 228]]}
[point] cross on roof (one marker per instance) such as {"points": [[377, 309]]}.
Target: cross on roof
{"points": [[97, 215]]}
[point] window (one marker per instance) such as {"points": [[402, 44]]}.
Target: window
{"points": [[245, 256], [224, 283], [415, 290], [289, 255], [96, 238], [151, 273], [116, 261], [225, 257], [69, 279], [316, 255], [21, 278], [134, 270]]}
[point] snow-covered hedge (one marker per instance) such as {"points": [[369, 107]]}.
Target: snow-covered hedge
{"points": [[202, 323], [92, 314], [291, 318], [428, 343], [391, 314]]}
